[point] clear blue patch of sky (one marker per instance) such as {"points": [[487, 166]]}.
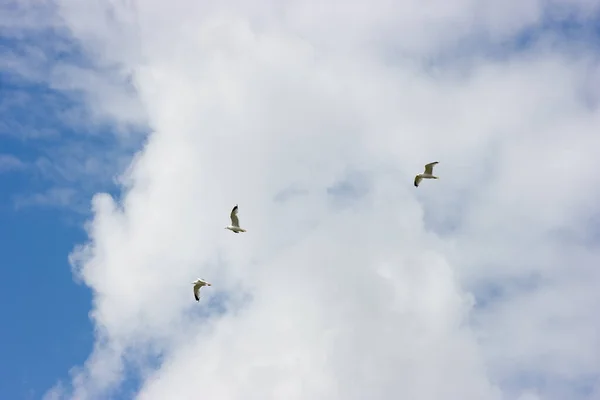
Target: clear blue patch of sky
{"points": [[45, 329]]}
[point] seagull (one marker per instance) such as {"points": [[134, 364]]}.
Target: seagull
{"points": [[198, 283], [235, 222], [428, 174]]}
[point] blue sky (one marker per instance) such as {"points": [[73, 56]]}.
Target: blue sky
{"points": [[53, 164]]}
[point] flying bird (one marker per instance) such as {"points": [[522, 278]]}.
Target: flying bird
{"points": [[235, 222], [428, 174], [198, 283]]}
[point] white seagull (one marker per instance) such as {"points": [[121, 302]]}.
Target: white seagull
{"points": [[428, 174], [235, 222], [198, 283]]}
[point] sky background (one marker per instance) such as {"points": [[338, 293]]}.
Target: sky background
{"points": [[128, 130]]}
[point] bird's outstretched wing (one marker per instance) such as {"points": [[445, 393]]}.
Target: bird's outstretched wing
{"points": [[429, 167], [234, 218], [417, 180], [196, 290]]}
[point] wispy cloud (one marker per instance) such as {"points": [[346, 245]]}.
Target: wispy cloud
{"points": [[10, 163], [55, 197], [50, 101]]}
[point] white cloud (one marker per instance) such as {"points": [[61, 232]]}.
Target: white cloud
{"points": [[380, 298], [55, 197], [8, 163]]}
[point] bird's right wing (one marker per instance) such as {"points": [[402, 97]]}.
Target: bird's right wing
{"points": [[417, 180], [234, 218], [429, 167]]}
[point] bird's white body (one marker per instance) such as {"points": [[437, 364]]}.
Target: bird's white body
{"points": [[198, 283], [428, 174], [235, 229], [235, 222]]}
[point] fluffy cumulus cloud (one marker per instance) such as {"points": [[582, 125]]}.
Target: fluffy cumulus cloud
{"points": [[350, 283]]}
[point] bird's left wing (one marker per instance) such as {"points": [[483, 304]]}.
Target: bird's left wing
{"points": [[417, 180], [234, 218], [196, 290]]}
